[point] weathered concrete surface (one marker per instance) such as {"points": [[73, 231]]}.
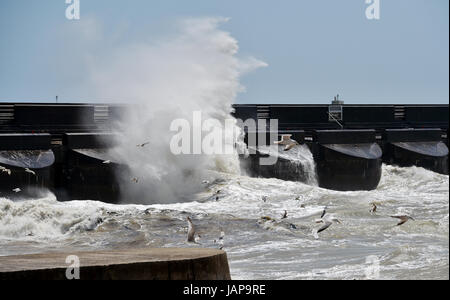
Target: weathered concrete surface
{"points": [[128, 264]]}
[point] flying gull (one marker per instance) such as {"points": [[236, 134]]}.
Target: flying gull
{"points": [[30, 171], [403, 219], [374, 208], [287, 141], [5, 170], [222, 235], [191, 231], [323, 212], [327, 221], [143, 144]]}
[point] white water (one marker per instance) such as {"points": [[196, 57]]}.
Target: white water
{"points": [[300, 156], [256, 249], [196, 69]]}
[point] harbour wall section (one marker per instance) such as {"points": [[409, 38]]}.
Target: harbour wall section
{"points": [[63, 147]]}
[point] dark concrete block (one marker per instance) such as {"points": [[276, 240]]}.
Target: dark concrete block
{"points": [[412, 135], [89, 140], [343, 172], [54, 115], [344, 136], [25, 141]]}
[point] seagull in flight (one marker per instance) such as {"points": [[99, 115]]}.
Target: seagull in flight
{"points": [[5, 170], [374, 208], [143, 145], [403, 219], [323, 212], [17, 190], [220, 242], [287, 141], [328, 223], [191, 231], [30, 171]]}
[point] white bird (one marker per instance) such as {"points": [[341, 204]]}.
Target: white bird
{"points": [[107, 162], [143, 144], [135, 179], [30, 171], [287, 141], [327, 223], [197, 239], [5, 170], [17, 190], [323, 212], [222, 235], [403, 219], [191, 231]]}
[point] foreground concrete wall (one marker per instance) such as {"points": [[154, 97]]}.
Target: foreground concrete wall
{"points": [[128, 264]]}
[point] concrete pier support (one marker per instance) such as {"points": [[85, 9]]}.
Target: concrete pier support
{"points": [[416, 147], [129, 264], [285, 169], [26, 160], [84, 173], [287, 164], [347, 160]]}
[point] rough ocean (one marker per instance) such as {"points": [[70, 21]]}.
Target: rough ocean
{"points": [[260, 248]]}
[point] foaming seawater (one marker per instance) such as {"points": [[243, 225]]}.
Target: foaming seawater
{"points": [[187, 85], [300, 157], [46, 218], [269, 248]]}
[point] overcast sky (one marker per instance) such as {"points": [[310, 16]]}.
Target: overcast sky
{"points": [[313, 49]]}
